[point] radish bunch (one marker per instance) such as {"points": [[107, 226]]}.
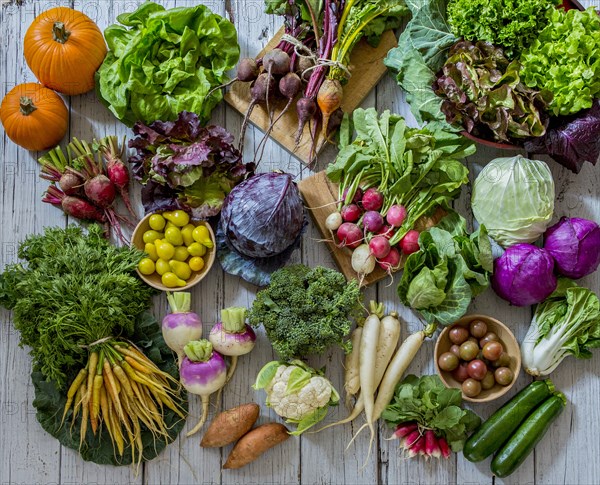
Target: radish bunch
{"points": [[416, 440], [363, 226], [87, 183]]}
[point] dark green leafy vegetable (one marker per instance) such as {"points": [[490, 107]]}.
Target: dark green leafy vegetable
{"points": [[511, 24], [421, 52], [306, 310], [162, 62], [74, 289], [416, 168], [483, 92], [49, 402], [450, 268], [564, 59], [429, 403]]}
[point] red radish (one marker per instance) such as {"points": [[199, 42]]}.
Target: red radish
{"points": [[350, 213], [372, 199], [432, 447], [380, 247], [372, 221], [444, 448], [396, 215], [358, 195], [404, 429], [306, 109], [410, 243], [390, 262], [349, 235], [418, 447], [411, 439], [386, 231], [100, 190], [116, 170]]}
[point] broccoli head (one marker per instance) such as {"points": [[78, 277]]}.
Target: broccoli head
{"points": [[306, 310]]}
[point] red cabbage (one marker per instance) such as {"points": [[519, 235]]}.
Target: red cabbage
{"points": [[574, 244], [524, 275], [262, 220], [571, 140]]}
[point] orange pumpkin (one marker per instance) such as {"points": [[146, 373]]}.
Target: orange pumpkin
{"points": [[64, 48], [34, 117]]}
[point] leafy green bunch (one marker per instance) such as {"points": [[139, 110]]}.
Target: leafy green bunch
{"points": [[429, 403], [74, 289], [306, 310], [450, 268]]}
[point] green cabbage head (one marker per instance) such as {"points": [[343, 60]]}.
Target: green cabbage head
{"points": [[514, 198]]}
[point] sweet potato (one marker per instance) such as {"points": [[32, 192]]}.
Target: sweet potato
{"points": [[230, 425], [255, 443]]}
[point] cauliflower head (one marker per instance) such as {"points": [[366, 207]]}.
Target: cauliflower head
{"points": [[297, 392]]}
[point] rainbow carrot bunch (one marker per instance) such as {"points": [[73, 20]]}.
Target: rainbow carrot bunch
{"points": [[121, 390]]}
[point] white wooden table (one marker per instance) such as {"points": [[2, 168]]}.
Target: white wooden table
{"points": [[569, 454]]}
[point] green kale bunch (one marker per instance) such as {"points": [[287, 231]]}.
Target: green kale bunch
{"points": [[306, 310]]}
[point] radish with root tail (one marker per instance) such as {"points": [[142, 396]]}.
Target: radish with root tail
{"points": [[389, 335], [202, 372], [393, 374], [232, 336], [181, 326]]}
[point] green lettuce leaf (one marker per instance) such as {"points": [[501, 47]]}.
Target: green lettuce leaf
{"points": [[161, 62]]}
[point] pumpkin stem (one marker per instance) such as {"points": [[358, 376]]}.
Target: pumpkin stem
{"points": [[26, 105], [60, 33]]}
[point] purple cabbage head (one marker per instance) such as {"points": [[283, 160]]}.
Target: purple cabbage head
{"points": [[263, 215], [524, 275], [574, 244]]}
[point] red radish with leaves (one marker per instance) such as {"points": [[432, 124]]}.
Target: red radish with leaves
{"points": [[350, 235], [391, 262], [372, 199], [350, 213], [396, 215], [372, 221], [380, 247], [410, 243]]}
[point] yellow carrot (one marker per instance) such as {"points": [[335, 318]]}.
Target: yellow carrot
{"points": [[75, 385], [84, 416], [92, 363], [95, 403], [104, 410], [137, 365], [112, 388]]}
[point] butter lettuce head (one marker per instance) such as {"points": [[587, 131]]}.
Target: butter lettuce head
{"points": [[161, 62]]}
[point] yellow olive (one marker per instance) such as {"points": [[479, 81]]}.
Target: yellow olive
{"points": [[181, 253], [186, 233], [162, 266], [196, 249], [179, 217], [150, 250], [157, 222], [146, 266], [170, 280], [164, 249], [151, 235], [182, 270], [196, 263]]}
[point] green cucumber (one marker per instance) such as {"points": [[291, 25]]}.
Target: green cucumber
{"points": [[494, 432], [522, 443]]}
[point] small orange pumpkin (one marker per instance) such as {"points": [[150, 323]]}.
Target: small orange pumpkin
{"points": [[64, 48], [34, 117]]}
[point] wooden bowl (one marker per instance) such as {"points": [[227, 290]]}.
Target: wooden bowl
{"points": [[505, 336], [154, 280]]}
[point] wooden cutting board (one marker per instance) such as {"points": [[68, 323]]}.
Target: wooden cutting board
{"points": [[366, 64], [320, 196]]}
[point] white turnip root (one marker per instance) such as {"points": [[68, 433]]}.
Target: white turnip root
{"points": [[181, 326]]}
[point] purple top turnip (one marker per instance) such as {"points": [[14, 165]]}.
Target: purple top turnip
{"points": [[181, 325], [202, 372], [232, 336]]}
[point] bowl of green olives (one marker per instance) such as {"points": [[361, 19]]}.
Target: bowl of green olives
{"points": [[479, 355]]}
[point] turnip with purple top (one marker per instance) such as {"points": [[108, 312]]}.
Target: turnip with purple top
{"points": [[181, 325], [203, 371], [232, 336]]}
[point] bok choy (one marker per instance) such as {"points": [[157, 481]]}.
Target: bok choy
{"points": [[567, 323]]}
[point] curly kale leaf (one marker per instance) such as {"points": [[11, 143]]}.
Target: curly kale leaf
{"points": [[306, 310]]}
